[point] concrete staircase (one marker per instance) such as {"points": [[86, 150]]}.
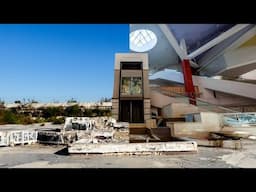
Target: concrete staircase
{"points": [[203, 106]]}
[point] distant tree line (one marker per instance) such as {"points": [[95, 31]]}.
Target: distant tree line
{"points": [[105, 99], [49, 114], [23, 114]]}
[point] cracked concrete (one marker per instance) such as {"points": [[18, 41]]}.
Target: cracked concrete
{"points": [[49, 156]]}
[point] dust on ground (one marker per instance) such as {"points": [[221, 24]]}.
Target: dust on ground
{"points": [[55, 156]]}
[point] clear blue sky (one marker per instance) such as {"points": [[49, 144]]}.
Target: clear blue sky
{"points": [[58, 62]]}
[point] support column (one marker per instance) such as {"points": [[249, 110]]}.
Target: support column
{"points": [[188, 82]]}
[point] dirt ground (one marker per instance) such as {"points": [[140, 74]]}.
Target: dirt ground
{"points": [[53, 156]]}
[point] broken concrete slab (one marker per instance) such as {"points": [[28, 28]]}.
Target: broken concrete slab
{"points": [[102, 133], [188, 129], [252, 137], [161, 134], [16, 137], [231, 134], [181, 146], [121, 136], [246, 130], [176, 110], [50, 137], [4, 138], [120, 125], [227, 144]]}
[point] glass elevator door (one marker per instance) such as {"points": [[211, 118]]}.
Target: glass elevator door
{"points": [[131, 111]]}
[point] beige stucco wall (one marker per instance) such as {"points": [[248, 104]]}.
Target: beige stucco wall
{"points": [[175, 110], [159, 100], [143, 57]]}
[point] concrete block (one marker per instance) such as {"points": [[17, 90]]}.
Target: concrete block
{"points": [[178, 110], [4, 140], [227, 144], [181, 146], [187, 129]]}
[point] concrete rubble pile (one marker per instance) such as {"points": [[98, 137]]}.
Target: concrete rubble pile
{"points": [[104, 130], [216, 129], [86, 129], [114, 138], [56, 136]]}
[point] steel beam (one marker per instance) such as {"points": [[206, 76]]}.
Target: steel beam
{"points": [[217, 40], [172, 40], [188, 82]]}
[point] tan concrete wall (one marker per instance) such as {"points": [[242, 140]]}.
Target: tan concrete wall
{"points": [[250, 108], [224, 99], [211, 121], [115, 108], [160, 100], [250, 75], [131, 73], [178, 110], [230, 87], [116, 84], [146, 117], [147, 109], [191, 129], [172, 90], [146, 84], [143, 57]]}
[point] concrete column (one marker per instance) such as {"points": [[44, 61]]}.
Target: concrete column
{"points": [[115, 108], [147, 109]]}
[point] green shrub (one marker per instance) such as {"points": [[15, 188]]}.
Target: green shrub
{"points": [[74, 111], [39, 120], [9, 118], [52, 111], [26, 120], [58, 121]]}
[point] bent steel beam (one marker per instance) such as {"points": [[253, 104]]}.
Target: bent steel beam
{"points": [[187, 74], [217, 40]]}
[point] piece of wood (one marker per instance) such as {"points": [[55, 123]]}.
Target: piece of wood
{"points": [[181, 146]]}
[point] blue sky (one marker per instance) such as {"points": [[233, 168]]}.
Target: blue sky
{"points": [[58, 62]]}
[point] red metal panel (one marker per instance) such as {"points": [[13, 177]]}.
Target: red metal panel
{"points": [[188, 82]]}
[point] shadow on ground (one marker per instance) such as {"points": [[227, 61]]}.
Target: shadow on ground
{"points": [[63, 151]]}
